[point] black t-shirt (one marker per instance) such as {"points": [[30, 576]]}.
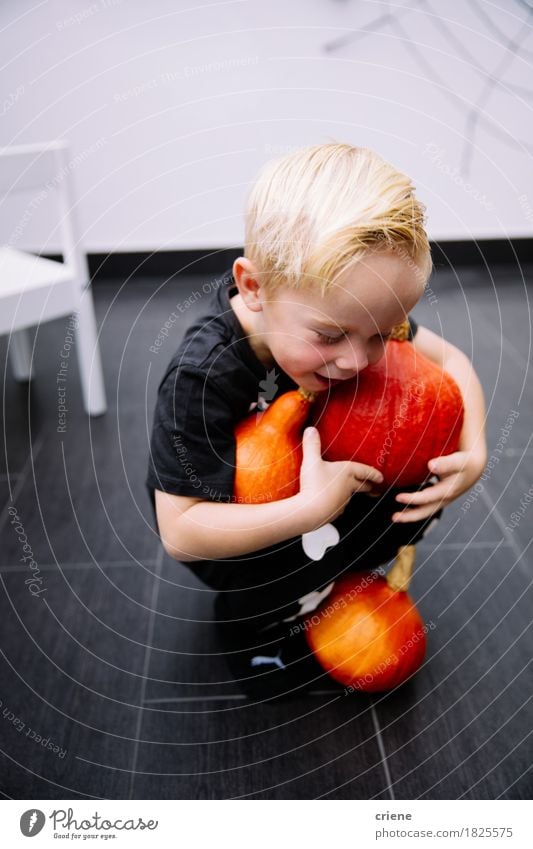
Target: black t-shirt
{"points": [[213, 381], [209, 385]]}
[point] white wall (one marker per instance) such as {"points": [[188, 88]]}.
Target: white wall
{"points": [[171, 107]]}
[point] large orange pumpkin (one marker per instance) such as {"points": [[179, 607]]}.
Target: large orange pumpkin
{"points": [[368, 633], [396, 415]]}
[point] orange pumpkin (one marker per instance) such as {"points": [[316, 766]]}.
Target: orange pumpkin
{"points": [[368, 633], [269, 449], [396, 415]]}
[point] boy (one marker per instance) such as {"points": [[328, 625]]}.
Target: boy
{"points": [[336, 256]]}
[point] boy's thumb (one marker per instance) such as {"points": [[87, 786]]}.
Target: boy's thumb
{"points": [[311, 441]]}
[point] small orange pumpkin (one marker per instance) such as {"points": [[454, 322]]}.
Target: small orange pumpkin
{"points": [[269, 449], [368, 633]]}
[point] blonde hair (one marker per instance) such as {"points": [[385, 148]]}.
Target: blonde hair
{"points": [[313, 213]]}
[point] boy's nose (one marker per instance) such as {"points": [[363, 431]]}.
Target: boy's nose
{"points": [[352, 361]]}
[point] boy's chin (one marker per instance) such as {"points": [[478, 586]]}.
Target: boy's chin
{"points": [[311, 383]]}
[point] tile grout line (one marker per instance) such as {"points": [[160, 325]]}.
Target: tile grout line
{"points": [[224, 697], [90, 564], [146, 666], [381, 747], [459, 546], [49, 567], [187, 699]]}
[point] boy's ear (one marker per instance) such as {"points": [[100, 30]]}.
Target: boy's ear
{"points": [[247, 281]]}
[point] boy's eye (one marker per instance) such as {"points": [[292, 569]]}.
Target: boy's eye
{"points": [[328, 340]]}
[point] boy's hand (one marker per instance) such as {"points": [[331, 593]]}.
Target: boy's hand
{"points": [[456, 472], [327, 486]]}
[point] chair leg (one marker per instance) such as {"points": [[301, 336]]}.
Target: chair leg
{"points": [[20, 349], [90, 364]]}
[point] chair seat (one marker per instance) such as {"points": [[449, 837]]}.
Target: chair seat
{"points": [[22, 272], [33, 290]]}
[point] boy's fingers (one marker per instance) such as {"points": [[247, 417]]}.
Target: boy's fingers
{"points": [[436, 493], [416, 515], [366, 473], [425, 496], [311, 443], [311, 436], [447, 464]]}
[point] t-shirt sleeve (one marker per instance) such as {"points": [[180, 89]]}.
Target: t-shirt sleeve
{"points": [[413, 327], [192, 450]]}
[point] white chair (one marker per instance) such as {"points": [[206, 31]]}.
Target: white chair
{"points": [[34, 289]]}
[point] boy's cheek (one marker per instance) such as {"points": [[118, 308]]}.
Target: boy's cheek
{"points": [[298, 366]]}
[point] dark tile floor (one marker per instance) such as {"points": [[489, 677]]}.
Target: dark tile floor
{"points": [[111, 682]]}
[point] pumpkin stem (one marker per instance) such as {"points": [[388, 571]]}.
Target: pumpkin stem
{"points": [[400, 332], [307, 394], [401, 571]]}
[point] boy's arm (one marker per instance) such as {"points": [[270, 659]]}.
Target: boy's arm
{"points": [[460, 470], [192, 529]]}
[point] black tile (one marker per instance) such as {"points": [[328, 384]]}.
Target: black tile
{"points": [[86, 627], [507, 383], [466, 521], [141, 326], [510, 487], [303, 749], [73, 671], [463, 731], [185, 657], [45, 753], [508, 311], [139, 337], [22, 424], [85, 495], [7, 484], [32, 407]]}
